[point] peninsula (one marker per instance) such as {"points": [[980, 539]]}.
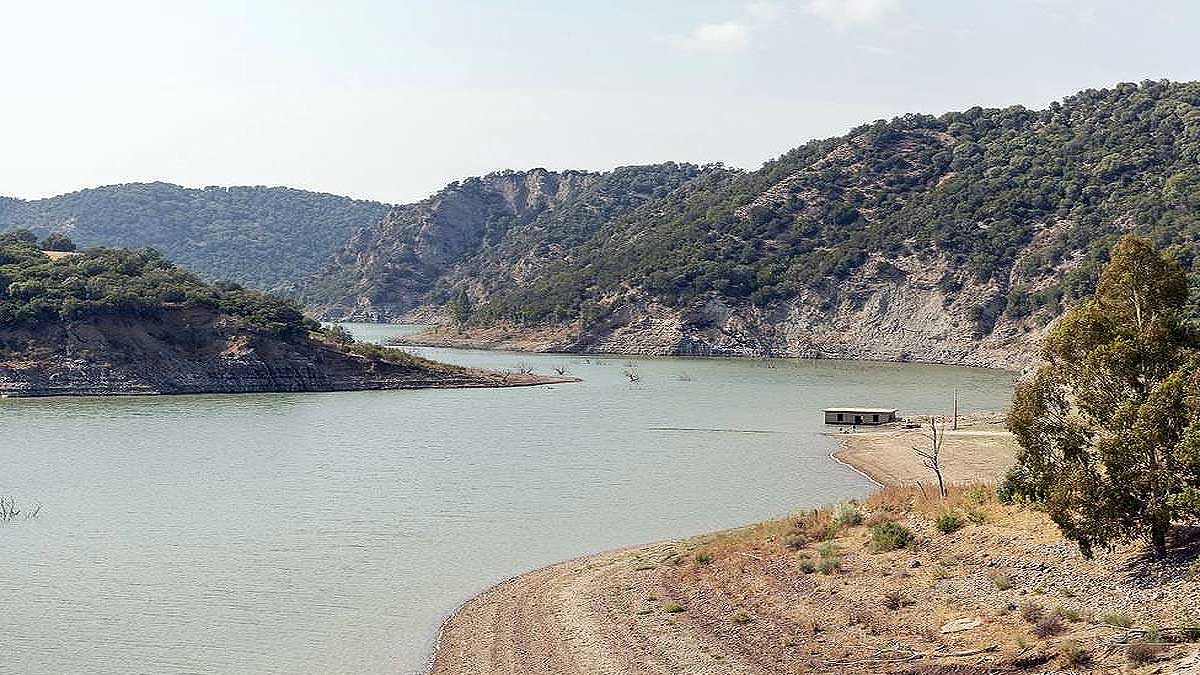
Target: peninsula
{"points": [[110, 321]]}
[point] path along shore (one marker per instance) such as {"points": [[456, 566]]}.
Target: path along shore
{"points": [[799, 595]]}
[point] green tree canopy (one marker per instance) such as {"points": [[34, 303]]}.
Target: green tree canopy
{"points": [[459, 307], [57, 241], [1109, 426]]}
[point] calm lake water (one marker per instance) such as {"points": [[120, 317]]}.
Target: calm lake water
{"points": [[330, 533]]}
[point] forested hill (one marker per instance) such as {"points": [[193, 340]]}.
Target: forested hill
{"points": [[119, 321], [946, 238], [267, 237]]}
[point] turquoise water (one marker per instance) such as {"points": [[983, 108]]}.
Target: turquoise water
{"points": [[330, 533]]}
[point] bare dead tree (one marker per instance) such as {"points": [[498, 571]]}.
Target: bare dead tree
{"points": [[932, 458], [560, 370], [632, 374], [9, 510], [524, 368]]}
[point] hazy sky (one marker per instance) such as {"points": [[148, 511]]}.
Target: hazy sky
{"points": [[391, 99]]}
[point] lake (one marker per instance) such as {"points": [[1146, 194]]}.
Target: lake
{"points": [[331, 533]]}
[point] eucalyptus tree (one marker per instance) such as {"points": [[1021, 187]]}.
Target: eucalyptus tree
{"points": [[1109, 426]]}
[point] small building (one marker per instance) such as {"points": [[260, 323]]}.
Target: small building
{"points": [[859, 415]]}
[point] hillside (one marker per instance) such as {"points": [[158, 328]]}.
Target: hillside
{"points": [[264, 237], [954, 238], [488, 233], [117, 321]]}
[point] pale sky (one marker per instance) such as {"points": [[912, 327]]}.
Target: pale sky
{"points": [[390, 100]]}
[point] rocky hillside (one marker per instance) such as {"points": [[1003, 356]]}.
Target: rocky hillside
{"points": [[115, 321], [954, 238], [264, 237], [487, 233]]}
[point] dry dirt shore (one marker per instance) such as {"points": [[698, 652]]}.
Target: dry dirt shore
{"points": [[979, 450], [1004, 593]]}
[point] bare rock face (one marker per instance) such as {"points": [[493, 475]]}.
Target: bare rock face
{"points": [[899, 314], [480, 232], [196, 351]]}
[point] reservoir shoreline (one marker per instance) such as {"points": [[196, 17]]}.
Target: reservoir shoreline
{"points": [[526, 603]]}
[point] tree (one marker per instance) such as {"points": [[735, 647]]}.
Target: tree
{"points": [[338, 334], [459, 308], [1109, 426], [932, 458], [57, 241]]}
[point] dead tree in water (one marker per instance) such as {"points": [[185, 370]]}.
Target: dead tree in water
{"points": [[632, 374], [560, 370], [932, 458]]}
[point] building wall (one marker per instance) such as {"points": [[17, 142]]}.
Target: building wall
{"points": [[858, 418]]}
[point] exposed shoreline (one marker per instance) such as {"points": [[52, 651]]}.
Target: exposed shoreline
{"points": [[741, 601], [526, 633], [549, 341], [980, 450], [482, 380]]}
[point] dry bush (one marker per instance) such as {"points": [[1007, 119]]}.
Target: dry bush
{"points": [[1140, 653], [1075, 654], [1049, 624], [1002, 582], [1032, 612], [894, 600], [1119, 619]]}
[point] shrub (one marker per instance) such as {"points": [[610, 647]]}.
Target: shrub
{"points": [[1141, 652], [741, 618], [703, 558], [1068, 613], [847, 514], [1191, 630], [978, 494], [889, 536], [894, 600], [1032, 612], [1074, 653], [829, 565], [795, 541], [673, 608], [1119, 619], [338, 334], [827, 550], [1002, 582], [807, 565], [949, 521], [1047, 625]]}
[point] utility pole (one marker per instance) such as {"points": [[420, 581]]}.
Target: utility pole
{"points": [[956, 409]]}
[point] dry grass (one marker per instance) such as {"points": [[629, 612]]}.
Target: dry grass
{"points": [[977, 497]]}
